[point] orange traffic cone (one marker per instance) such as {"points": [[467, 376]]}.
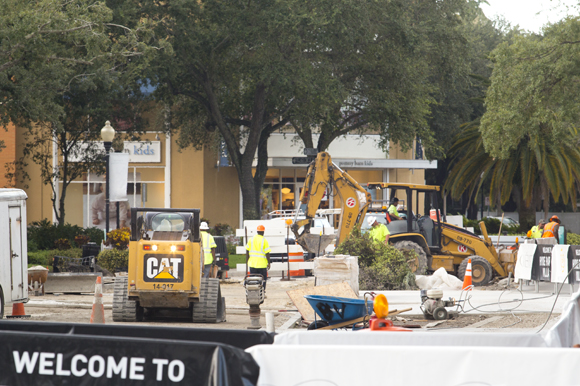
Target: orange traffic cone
{"points": [[467, 284], [98, 314], [18, 311]]}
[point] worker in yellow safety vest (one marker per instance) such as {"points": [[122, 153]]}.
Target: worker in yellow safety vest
{"points": [[209, 246], [551, 228], [379, 232], [537, 230], [393, 213], [258, 254]]}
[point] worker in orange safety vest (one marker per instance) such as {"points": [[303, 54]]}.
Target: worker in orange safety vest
{"points": [[551, 228]]}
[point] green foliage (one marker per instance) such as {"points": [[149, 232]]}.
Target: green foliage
{"points": [[573, 238], [221, 229], [119, 238], [45, 257], [42, 235], [113, 259], [382, 267], [81, 240], [62, 244], [492, 226]]}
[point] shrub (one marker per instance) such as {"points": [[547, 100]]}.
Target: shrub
{"points": [[382, 267], [222, 230], [119, 238], [62, 244], [95, 234], [42, 234], [46, 257], [492, 226], [81, 240], [573, 238], [113, 259]]}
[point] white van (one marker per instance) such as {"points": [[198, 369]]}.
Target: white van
{"points": [[13, 250]]}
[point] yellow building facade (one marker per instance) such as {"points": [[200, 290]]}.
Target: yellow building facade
{"points": [[163, 175]]}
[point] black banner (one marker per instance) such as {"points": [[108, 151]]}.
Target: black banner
{"points": [[541, 268], [574, 261], [237, 338], [33, 358]]}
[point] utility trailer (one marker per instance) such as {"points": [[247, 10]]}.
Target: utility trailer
{"points": [[13, 250]]}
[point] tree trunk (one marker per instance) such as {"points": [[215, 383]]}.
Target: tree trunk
{"points": [[526, 210]]}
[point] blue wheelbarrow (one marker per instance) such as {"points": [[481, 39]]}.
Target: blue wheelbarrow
{"points": [[337, 312]]}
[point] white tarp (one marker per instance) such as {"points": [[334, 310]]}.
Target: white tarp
{"points": [[566, 332], [290, 365], [414, 338], [524, 262], [560, 264], [440, 279], [118, 169]]}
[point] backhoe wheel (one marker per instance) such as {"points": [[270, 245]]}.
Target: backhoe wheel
{"points": [[125, 310], [206, 310], [440, 313], [481, 270], [419, 265]]}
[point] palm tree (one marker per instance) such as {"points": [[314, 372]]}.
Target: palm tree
{"points": [[538, 167]]}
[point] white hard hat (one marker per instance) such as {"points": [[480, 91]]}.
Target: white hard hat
{"points": [[203, 226], [371, 220]]}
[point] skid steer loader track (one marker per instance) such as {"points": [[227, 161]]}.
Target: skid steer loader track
{"points": [[210, 301], [125, 310]]}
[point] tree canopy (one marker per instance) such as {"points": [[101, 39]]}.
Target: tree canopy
{"points": [[534, 87]]}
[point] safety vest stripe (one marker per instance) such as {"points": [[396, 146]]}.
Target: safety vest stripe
{"points": [[254, 252], [206, 244]]}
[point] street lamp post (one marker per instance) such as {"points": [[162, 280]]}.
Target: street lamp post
{"points": [[107, 135]]}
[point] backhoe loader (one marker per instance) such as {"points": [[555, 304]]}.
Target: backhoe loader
{"points": [[439, 244], [165, 267], [436, 243], [323, 174]]}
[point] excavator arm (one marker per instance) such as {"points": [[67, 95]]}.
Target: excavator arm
{"points": [[354, 201]]}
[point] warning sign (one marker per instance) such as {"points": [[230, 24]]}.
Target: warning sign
{"points": [[350, 202]]}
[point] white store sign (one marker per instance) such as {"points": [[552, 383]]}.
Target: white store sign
{"points": [[139, 151]]}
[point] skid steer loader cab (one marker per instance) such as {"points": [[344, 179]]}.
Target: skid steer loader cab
{"points": [[165, 266], [439, 244]]}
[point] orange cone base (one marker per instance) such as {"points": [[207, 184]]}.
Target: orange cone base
{"points": [[98, 314], [385, 325], [18, 312]]}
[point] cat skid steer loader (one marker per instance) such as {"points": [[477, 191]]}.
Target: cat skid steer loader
{"points": [[165, 268]]}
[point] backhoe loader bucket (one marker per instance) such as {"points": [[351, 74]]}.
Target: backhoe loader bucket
{"points": [[315, 243]]}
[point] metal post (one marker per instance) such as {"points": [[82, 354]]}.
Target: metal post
{"points": [[107, 148], [118, 221]]}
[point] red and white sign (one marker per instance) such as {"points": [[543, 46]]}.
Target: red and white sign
{"points": [[350, 202], [462, 248]]}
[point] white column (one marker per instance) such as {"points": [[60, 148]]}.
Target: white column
{"points": [[54, 169], [168, 170]]}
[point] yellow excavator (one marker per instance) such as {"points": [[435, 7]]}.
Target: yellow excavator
{"points": [[436, 243], [323, 174]]}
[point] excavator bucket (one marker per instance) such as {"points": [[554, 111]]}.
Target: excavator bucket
{"points": [[315, 243]]}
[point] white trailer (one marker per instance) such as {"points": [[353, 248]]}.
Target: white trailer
{"points": [[13, 250]]}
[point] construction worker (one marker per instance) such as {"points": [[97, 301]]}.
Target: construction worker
{"points": [[258, 254], [379, 232], [209, 246], [551, 228], [537, 230], [393, 213]]}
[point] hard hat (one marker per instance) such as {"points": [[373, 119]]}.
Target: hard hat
{"points": [[261, 228], [203, 226], [555, 219], [542, 221], [371, 220]]}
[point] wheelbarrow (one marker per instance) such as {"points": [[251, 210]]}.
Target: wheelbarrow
{"points": [[337, 312]]}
